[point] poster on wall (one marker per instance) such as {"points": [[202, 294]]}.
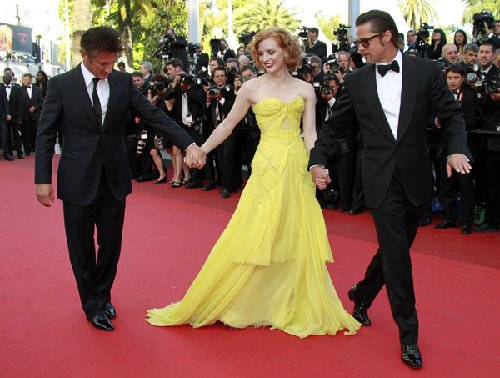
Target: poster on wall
{"points": [[15, 38]]}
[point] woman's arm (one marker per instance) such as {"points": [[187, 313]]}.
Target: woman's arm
{"points": [[238, 111], [309, 119]]}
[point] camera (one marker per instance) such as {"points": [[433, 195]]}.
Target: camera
{"points": [[317, 88], [443, 63], [213, 91], [141, 143], [423, 32], [232, 70], [245, 38], [342, 37], [302, 32], [216, 46], [306, 67], [164, 48], [159, 86], [326, 89], [483, 19], [483, 86], [193, 47], [332, 64]]}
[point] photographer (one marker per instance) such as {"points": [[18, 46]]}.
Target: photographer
{"points": [[438, 41], [469, 55], [450, 53], [232, 70], [177, 45], [314, 46], [215, 63], [189, 112], [243, 61], [147, 71], [449, 186], [220, 100], [488, 159], [423, 47], [483, 24], [202, 58], [226, 51]]}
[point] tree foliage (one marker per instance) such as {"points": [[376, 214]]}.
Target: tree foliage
{"points": [[476, 6], [416, 12], [328, 24]]}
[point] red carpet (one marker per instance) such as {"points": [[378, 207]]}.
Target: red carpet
{"points": [[168, 234]]}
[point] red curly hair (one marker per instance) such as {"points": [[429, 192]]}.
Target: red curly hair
{"points": [[285, 40]]}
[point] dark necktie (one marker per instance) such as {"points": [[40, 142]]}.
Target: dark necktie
{"points": [[383, 68], [96, 103]]}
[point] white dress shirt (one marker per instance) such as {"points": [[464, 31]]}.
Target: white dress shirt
{"points": [[331, 102], [102, 90], [389, 89], [30, 90], [187, 120], [8, 89]]}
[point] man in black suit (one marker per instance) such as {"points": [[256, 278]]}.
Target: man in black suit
{"points": [[91, 102], [179, 47], [13, 134], [147, 72], [31, 105], [315, 46], [392, 99], [4, 117], [449, 186], [226, 52], [489, 149], [202, 59]]}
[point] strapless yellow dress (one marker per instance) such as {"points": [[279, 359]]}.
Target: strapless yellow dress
{"points": [[268, 267]]}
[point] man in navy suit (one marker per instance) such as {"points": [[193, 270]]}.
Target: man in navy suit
{"points": [[91, 103], [392, 99]]}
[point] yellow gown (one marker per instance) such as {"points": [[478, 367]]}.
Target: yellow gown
{"points": [[268, 268]]}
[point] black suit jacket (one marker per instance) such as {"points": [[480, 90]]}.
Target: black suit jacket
{"points": [[88, 147], [4, 103], [36, 100], [197, 99], [229, 99], [424, 90], [15, 102], [490, 116], [202, 61], [319, 49]]}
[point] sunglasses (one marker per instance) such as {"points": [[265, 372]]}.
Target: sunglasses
{"points": [[365, 42]]}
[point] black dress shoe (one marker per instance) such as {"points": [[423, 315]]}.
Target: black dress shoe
{"points": [[225, 193], [101, 322], [410, 355], [329, 205], [360, 311], [27, 153], [208, 187], [8, 156], [355, 212], [445, 224], [486, 228], [344, 210], [218, 186], [466, 230], [20, 155], [110, 311], [424, 222], [193, 185]]}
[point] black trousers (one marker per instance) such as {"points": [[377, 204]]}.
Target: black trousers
{"points": [[95, 279], [492, 215], [4, 136], [448, 192], [16, 142], [226, 158], [358, 193], [26, 131], [207, 172], [396, 222], [345, 166]]}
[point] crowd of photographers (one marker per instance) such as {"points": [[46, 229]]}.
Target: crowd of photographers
{"points": [[198, 91]]}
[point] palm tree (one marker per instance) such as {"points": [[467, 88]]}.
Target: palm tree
{"points": [[416, 12], [81, 22], [261, 14]]}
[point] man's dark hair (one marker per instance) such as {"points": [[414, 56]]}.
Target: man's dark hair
{"points": [[28, 74], [175, 63], [231, 60], [121, 64], [220, 69], [314, 30], [381, 22], [456, 68], [8, 69], [488, 44], [137, 74], [220, 61], [155, 77], [249, 67], [101, 39]]}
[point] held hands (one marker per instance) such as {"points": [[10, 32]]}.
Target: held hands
{"points": [[45, 194], [195, 157], [459, 163], [320, 177]]}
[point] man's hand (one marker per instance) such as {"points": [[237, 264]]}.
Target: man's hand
{"points": [[195, 157], [219, 96], [459, 163], [45, 194], [32, 109], [237, 84], [339, 76], [8, 117], [320, 177]]}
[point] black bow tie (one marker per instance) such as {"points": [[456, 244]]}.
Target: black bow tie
{"points": [[384, 68], [29, 86], [8, 86]]}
